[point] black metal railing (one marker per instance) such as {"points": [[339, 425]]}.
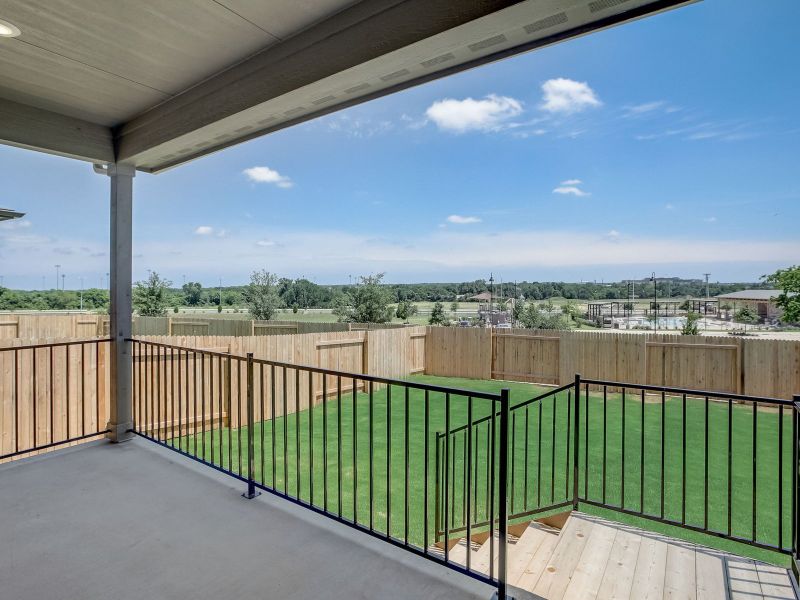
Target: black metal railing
{"points": [[719, 464], [540, 465], [356, 448], [53, 394], [716, 463]]}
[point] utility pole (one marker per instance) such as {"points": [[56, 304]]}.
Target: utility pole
{"points": [[491, 297], [655, 296], [81, 293], [705, 306], [63, 281], [220, 292], [57, 269]]}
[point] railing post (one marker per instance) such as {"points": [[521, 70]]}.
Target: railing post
{"points": [[251, 469], [576, 441], [502, 485], [796, 484]]}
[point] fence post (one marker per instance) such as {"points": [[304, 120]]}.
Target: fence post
{"points": [[576, 441], [502, 527], [251, 469]]}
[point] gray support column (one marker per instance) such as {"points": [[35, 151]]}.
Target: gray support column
{"points": [[121, 421]]}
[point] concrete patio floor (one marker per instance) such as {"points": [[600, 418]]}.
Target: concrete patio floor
{"points": [[138, 521]]}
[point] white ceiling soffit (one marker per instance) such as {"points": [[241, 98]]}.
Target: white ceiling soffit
{"points": [[154, 87], [312, 74]]}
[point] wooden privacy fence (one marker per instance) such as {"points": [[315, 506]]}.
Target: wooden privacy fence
{"points": [[43, 326], [60, 390], [51, 394], [750, 366], [216, 384]]}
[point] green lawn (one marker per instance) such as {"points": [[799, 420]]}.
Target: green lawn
{"points": [[543, 463]]}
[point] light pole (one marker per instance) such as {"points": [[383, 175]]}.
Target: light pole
{"points": [[220, 294], [491, 298], [81, 293], [655, 296], [58, 267], [63, 281]]}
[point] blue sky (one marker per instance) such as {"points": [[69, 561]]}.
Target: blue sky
{"points": [[670, 144]]}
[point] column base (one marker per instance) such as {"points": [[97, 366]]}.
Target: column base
{"points": [[119, 432]]}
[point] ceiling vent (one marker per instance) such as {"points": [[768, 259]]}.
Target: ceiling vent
{"points": [[546, 23], [437, 60], [323, 100], [599, 5], [492, 41], [357, 88], [395, 75]]}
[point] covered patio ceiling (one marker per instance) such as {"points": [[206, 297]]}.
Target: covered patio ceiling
{"points": [[154, 84]]}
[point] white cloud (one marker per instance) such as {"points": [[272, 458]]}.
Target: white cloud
{"points": [[460, 220], [669, 206], [460, 116], [613, 235], [265, 243], [204, 230], [644, 108], [15, 224], [267, 175], [332, 254], [567, 96], [572, 182], [568, 190], [710, 219], [357, 126]]}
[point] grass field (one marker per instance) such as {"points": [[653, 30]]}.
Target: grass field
{"points": [[543, 463]]}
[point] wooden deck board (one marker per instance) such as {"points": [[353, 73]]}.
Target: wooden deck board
{"points": [[595, 559], [585, 581], [556, 576], [618, 576]]}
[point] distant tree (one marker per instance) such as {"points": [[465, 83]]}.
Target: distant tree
{"points": [[192, 293], [517, 310], [746, 316], [366, 302], [261, 296], [788, 281], [533, 317], [628, 306], [150, 296], [438, 317], [405, 310], [454, 306], [570, 310], [690, 327]]}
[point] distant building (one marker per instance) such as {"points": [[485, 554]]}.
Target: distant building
{"points": [[761, 301], [482, 297]]}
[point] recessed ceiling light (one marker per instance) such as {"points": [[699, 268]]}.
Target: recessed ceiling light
{"points": [[8, 30]]}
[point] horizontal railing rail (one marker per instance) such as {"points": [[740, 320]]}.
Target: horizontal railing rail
{"points": [[356, 448], [54, 395]]}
